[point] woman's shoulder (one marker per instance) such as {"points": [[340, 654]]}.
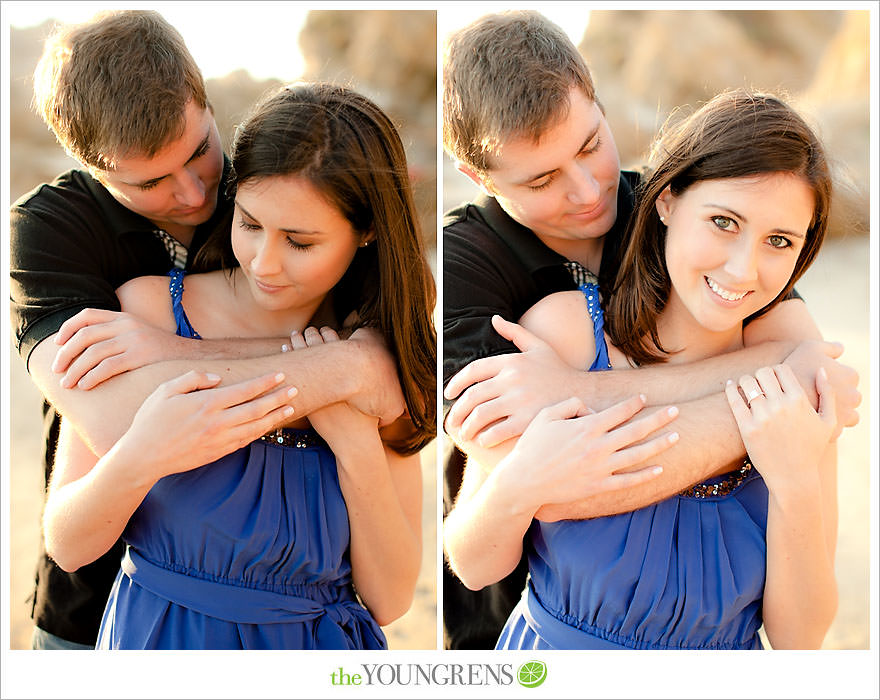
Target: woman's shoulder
{"points": [[563, 321], [147, 298]]}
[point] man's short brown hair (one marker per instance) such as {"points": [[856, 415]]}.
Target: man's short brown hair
{"points": [[507, 75], [116, 85]]}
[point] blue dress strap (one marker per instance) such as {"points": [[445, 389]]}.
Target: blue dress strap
{"points": [[175, 286], [590, 291]]}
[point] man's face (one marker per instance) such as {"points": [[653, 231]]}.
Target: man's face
{"points": [[177, 187], [564, 187]]}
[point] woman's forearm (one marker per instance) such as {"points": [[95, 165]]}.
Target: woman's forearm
{"points": [[84, 518], [483, 533], [800, 594], [385, 524]]}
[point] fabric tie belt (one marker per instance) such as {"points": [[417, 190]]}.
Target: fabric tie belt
{"points": [[554, 631], [560, 635], [245, 605]]}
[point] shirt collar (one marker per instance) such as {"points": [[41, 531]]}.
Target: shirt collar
{"points": [[531, 251]]}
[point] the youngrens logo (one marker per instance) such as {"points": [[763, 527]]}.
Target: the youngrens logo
{"points": [[531, 674]]}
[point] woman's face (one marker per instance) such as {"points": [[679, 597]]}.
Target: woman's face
{"points": [[292, 244], [732, 244]]}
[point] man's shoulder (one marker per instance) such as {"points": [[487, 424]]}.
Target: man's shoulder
{"points": [[69, 184], [71, 200], [466, 234], [466, 213]]}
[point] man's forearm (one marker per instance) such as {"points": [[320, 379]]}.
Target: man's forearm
{"points": [[709, 444], [665, 384], [101, 415]]}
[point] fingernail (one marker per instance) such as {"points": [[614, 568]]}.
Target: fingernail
{"points": [[213, 377], [292, 391], [673, 437], [729, 382], [657, 470], [643, 398], [288, 411], [823, 373], [279, 377], [672, 411]]}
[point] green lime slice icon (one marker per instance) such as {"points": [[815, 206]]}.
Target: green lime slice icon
{"points": [[532, 673]]}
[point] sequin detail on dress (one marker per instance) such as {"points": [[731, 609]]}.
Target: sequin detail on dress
{"points": [[722, 488], [289, 437]]}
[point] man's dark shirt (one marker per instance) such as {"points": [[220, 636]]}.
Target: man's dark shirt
{"points": [[71, 246], [494, 265]]}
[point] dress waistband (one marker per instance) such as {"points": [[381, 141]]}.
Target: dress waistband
{"points": [[236, 603], [554, 631]]}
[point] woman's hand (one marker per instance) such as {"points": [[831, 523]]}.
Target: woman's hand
{"points": [[189, 421], [340, 424], [567, 449], [782, 432]]}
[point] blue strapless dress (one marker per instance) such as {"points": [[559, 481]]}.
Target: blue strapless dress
{"points": [[685, 573], [249, 552]]}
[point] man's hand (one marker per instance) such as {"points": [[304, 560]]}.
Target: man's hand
{"points": [[380, 394], [502, 394], [806, 360], [97, 344]]}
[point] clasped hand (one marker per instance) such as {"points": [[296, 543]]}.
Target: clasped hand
{"points": [[97, 344], [499, 396], [340, 423]]}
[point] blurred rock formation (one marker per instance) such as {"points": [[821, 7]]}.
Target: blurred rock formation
{"points": [[647, 62], [392, 58]]}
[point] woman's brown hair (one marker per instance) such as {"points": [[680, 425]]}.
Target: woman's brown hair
{"points": [[349, 150], [736, 134]]}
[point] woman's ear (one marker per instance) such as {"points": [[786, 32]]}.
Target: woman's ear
{"points": [[367, 238], [665, 203]]}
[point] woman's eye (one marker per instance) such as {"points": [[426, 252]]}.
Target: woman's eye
{"points": [[723, 222], [247, 226], [298, 246], [147, 186], [779, 241]]}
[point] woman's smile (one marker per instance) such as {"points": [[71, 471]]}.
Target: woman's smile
{"points": [[727, 295]]}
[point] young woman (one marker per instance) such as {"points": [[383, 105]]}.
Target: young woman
{"points": [[310, 536], [732, 215]]}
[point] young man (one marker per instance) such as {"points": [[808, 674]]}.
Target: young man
{"points": [[522, 120], [125, 98]]}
